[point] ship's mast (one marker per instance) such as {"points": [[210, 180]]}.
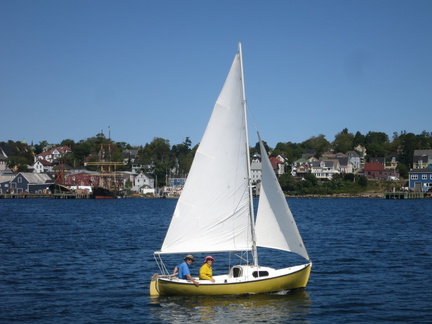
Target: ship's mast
{"points": [[251, 207]]}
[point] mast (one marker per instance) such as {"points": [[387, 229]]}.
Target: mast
{"points": [[251, 207]]}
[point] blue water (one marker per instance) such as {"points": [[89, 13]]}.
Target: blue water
{"points": [[89, 261]]}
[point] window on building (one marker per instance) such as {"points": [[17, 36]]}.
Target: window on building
{"points": [[424, 176], [414, 176]]}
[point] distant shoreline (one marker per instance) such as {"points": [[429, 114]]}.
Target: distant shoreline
{"points": [[341, 195], [380, 195]]}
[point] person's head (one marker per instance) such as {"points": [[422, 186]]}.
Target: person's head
{"points": [[209, 259], [189, 258]]}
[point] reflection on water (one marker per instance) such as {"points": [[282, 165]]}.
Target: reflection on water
{"points": [[272, 308]]}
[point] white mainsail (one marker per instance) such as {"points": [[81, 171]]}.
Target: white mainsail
{"points": [[275, 225], [212, 212]]}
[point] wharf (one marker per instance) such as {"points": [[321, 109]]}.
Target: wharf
{"points": [[404, 195], [52, 196]]}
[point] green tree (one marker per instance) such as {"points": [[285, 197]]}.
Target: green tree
{"points": [[257, 150], [157, 151], [343, 141], [424, 140], [287, 182], [186, 162], [376, 144], [22, 155], [17, 163], [359, 139], [349, 177], [124, 146], [376, 138], [309, 177], [181, 153], [403, 170], [292, 151], [128, 166], [362, 181], [80, 151], [375, 150], [128, 186], [68, 142], [182, 149], [69, 159], [39, 147], [409, 144], [158, 155], [394, 146], [319, 144]]}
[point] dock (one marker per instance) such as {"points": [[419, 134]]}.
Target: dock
{"points": [[404, 195], [51, 196]]}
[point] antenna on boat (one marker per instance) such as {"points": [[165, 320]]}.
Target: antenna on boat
{"points": [[251, 207]]}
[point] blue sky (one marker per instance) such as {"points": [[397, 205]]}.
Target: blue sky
{"points": [[70, 69]]}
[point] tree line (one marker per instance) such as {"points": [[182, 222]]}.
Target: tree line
{"points": [[161, 159]]}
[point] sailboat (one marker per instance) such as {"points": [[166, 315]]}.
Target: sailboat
{"points": [[215, 212]]}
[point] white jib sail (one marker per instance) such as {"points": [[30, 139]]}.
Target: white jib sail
{"points": [[275, 225], [212, 212]]}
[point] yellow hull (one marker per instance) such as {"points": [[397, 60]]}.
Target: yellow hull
{"points": [[291, 280]]}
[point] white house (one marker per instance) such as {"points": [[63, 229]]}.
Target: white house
{"points": [[42, 166], [143, 180], [53, 154], [355, 159], [325, 169], [256, 168]]}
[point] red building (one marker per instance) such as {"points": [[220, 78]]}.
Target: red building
{"points": [[81, 179], [376, 171]]}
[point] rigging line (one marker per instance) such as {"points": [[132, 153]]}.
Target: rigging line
{"points": [[251, 118]]}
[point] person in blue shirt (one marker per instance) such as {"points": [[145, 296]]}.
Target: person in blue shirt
{"points": [[183, 269]]}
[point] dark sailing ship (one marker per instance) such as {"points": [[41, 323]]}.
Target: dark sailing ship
{"points": [[109, 185]]}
